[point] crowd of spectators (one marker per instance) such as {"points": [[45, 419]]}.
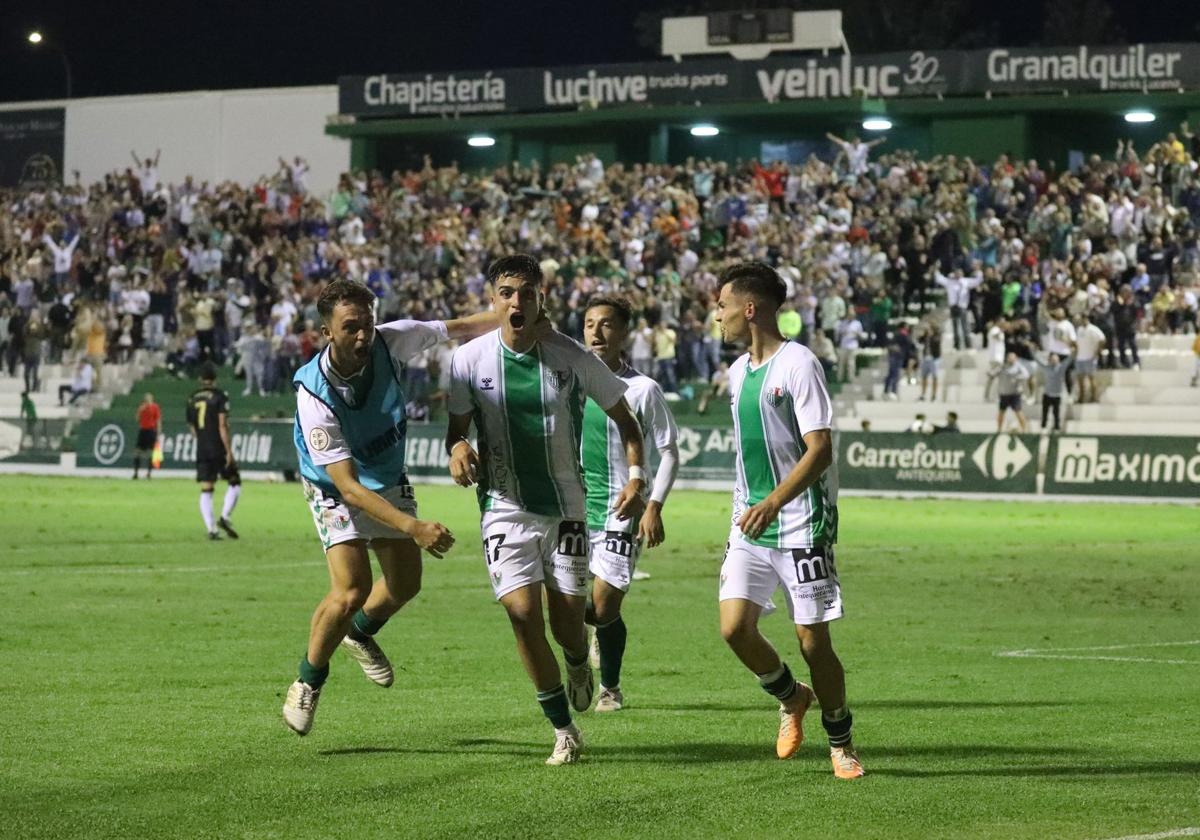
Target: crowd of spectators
{"points": [[231, 272]]}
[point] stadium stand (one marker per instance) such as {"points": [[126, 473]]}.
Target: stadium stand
{"points": [[133, 273]]}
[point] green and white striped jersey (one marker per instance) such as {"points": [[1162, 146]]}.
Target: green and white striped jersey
{"points": [[528, 411], [774, 406], [605, 469]]}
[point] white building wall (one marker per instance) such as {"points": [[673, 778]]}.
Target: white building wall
{"points": [[212, 135]]}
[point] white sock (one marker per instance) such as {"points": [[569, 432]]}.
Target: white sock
{"points": [[231, 496], [206, 510]]}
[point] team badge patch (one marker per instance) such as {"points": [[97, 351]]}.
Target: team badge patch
{"points": [[557, 378], [775, 397], [318, 438]]}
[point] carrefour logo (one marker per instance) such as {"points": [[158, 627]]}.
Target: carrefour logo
{"points": [[1002, 456]]}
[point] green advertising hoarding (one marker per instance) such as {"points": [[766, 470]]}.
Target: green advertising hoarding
{"points": [[960, 463], [1123, 466], [884, 461]]}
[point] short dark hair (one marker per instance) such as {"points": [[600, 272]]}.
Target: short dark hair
{"points": [[757, 279], [343, 291], [619, 305], [521, 266], [208, 372]]}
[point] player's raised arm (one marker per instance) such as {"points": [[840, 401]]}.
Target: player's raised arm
{"points": [[434, 537], [472, 326]]}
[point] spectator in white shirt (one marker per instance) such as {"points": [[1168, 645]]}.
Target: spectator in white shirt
{"points": [[958, 297], [850, 335], [81, 383], [63, 255], [147, 175]]}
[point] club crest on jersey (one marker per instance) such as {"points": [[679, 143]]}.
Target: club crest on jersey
{"points": [[774, 397], [557, 378]]}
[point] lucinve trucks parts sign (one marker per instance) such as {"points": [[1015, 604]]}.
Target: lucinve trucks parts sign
{"points": [[707, 81]]}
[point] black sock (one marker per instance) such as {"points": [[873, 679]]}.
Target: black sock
{"points": [[780, 684], [554, 706], [611, 637], [838, 730]]}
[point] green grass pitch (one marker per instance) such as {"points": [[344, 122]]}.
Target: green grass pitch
{"points": [[143, 670]]}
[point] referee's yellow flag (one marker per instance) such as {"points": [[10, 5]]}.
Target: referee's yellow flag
{"points": [[156, 455]]}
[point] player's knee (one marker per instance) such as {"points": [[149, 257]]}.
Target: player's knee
{"points": [[526, 620], [350, 600], [737, 633], [605, 612]]}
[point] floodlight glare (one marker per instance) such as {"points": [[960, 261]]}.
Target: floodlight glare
{"points": [[1139, 117], [481, 141], [35, 37], [705, 131], [876, 124]]}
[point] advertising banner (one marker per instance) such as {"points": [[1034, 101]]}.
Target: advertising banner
{"points": [[961, 463], [31, 147], [778, 79], [1123, 466]]}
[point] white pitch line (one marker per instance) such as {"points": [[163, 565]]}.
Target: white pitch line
{"points": [[1161, 835], [145, 570], [1068, 653]]}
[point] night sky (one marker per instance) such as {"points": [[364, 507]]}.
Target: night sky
{"points": [[125, 47]]}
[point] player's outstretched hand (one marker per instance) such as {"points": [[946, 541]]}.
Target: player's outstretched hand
{"points": [[464, 464], [434, 537], [755, 520], [650, 529], [630, 503]]}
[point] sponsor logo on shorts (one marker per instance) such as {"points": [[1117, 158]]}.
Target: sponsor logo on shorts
{"points": [[496, 578], [318, 438]]}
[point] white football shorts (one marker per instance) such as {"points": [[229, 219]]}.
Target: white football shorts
{"points": [[808, 576], [523, 548]]}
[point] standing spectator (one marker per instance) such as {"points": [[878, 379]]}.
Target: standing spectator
{"points": [[1089, 339], [1126, 312], [899, 348], [34, 334], [1012, 379], [1196, 370], [642, 348], [147, 175], [958, 297], [1054, 373], [203, 314], [929, 339], [149, 420], [850, 334], [825, 352], [857, 153], [63, 255], [664, 357], [29, 415]]}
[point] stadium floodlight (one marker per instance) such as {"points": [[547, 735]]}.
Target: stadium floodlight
{"points": [[876, 124], [34, 37], [705, 131], [1139, 117], [481, 141]]}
